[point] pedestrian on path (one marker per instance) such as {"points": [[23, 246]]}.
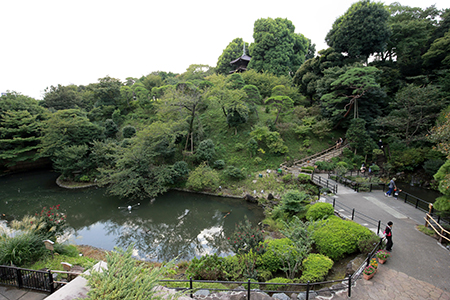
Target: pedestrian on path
{"points": [[392, 186], [388, 235]]}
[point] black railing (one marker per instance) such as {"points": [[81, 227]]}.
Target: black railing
{"points": [[25, 278], [352, 214], [325, 183]]}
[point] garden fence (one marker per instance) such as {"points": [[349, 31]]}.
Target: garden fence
{"points": [[25, 278]]}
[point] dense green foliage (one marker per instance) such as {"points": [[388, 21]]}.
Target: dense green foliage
{"points": [[22, 249], [337, 237], [208, 267], [110, 283], [271, 259], [316, 267], [319, 211]]}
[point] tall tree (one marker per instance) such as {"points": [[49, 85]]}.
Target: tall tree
{"points": [[107, 91], [351, 86], [277, 48], [412, 30], [362, 31], [62, 97], [233, 51], [412, 113], [281, 104], [20, 128]]}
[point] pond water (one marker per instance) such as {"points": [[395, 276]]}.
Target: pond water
{"points": [[176, 224]]}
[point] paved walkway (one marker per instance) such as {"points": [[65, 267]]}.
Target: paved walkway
{"points": [[419, 267], [12, 293]]}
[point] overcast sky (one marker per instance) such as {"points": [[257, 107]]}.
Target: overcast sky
{"points": [[46, 43]]}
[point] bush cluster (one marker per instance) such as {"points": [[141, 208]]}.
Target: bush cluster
{"points": [[316, 267], [319, 210], [208, 267], [335, 237], [270, 260]]}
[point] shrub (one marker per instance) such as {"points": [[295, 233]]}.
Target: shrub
{"points": [[294, 202], [121, 265], [239, 147], [21, 249], [324, 165], [202, 177], [128, 131], [232, 267], [208, 267], [287, 178], [219, 164], [205, 151], [316, 267], [270, 260], [303, 178], [246, 238], [180, 170], [366, 246], [275, 287], [319, 211], [264, 276], [68, 250], [234, 172], [337, 237]]}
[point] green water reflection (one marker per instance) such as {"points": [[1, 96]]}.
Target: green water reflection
{"points": [[175, 224]]}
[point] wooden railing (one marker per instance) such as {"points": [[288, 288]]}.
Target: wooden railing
{"points": [[316, 155], [435, 225]]}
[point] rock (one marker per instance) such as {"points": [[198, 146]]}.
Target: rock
{"points": [[349, 269], [202, 293], [250, 198], [302, 295], [294, 296], [270, 197], [325, 292], [280, 296]]}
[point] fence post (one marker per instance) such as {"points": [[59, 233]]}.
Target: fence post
{"points": [[191, 286], [379, 227], [349, 285], [334, 202], [371, 187], [417, 203], [248, 290], [19, 278], [307, 290], [406, 197], [353, 214], [50, 280]]}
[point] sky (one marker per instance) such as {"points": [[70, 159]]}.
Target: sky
{"points": [[51, 42]]}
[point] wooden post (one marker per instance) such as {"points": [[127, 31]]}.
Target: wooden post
{"points": [[430, 206], [49, 245]]}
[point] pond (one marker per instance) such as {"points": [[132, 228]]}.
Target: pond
{"points": [[176, 224]]}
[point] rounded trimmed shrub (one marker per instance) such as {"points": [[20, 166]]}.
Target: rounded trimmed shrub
{"points": [[319, 210], [269, 260], [315, 267], [274, 287], [335, 237]]}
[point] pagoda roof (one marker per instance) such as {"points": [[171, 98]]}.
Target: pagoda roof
{"points": [[243, 57]]}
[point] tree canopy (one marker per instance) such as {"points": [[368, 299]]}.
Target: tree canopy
{"points": [[362, 31], [277, 48]]}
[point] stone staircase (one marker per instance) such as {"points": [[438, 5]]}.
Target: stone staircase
{"points": [[324, 155]]}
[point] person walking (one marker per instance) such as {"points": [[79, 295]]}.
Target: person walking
{"points": [[388, 236], [392, 186]]}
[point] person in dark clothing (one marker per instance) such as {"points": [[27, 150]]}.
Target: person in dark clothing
{"points": [[388, 235]]}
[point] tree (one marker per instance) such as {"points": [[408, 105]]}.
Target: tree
{"points": [[233, 51], [71, 159], [309, 73], [203, 177], [185, 98], [237, 114], [412, 29], [265, 81], [351, 86], [139, 170], [205, 151], [281, 104], [20, 128], [439, 53], [106, 91], [359, 138], [362, 31], [412, 113], [19, 137], [277, 48], [235, 81], [62, 97], [68, 127]]}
